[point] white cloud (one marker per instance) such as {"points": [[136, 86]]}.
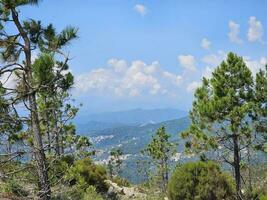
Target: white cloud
{"points": [[255, 31], [207, 72], [128, 80], [188, 62], [205, 43], [193, 86], [212, 61], [119, 66], [234, 32], [141, 9], [255, 65]]}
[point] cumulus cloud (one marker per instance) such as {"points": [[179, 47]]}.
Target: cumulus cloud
{"points": [[255, 31], [205, 43], [193, 86], [234, 32], [212, 61], [141, 9], [188, 62], [129, 80], [255, 65]]}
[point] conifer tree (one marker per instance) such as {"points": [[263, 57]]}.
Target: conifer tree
{"points": [[260, 114], [115, 162], [221, 114], [17, 46], [160, 150]]}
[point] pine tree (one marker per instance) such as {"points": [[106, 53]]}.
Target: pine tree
{"points": [[17, 49], [160, 150], [260, 114], [115, 162], [221, 114]]}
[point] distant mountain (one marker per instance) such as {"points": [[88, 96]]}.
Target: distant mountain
{"points": [[88, 122], [84, 127], [132, 139]]}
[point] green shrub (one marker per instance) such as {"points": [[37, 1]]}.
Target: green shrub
{"points": [[13, 188], [200, 181], [59, 167], [122, 182], [91, 194], [85, 173], [263, 197], [259, 193]]}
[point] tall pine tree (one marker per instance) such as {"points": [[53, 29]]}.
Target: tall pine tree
{"points": [[221, 114], [17, 46]]}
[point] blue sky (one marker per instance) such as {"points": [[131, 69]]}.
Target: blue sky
{"points": [[152, 54]]}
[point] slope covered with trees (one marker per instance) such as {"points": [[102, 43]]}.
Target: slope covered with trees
{"points": [[42, 157]]}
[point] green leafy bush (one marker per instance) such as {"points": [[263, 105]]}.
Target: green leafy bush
{"points": [[199, 181], [85, 173]]}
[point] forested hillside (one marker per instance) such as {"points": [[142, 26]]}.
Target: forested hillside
{"points": [[218, 152]]}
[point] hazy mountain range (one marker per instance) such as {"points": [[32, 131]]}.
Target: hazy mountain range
{"points": [[92, 122], [131, 131]]}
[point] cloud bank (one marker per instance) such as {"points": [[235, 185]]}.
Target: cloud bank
{"points": [[129, 80]]}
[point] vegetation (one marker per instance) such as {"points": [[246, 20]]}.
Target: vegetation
{"points": [[42, 86], [160, 150], [42, 157], [200, 180], [223, 112], [85, 173], [115, 162]]}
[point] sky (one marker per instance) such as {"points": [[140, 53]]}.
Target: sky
{"points": [[153, 53]]}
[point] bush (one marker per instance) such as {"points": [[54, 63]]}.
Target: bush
{"points": [[200, 181], [85, 173], [12, 188], [91, 194], [122, 182], [59, 167]]}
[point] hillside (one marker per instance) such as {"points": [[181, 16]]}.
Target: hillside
{"points": [[132, 139], [94, 122]]}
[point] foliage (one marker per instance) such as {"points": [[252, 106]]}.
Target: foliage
{"points": [[76, 193], [41, 88], [222, 115], [260, 117], [115, 162], [85, 173], [91, 194], [160, 150], [122, 182], [12, 187], [200, 180]]}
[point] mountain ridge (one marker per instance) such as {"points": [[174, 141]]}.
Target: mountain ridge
{"points": [[99, 121]]}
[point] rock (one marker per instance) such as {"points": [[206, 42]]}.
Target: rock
{"points": [[123, 193]]}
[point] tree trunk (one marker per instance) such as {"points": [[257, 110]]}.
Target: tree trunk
{"points": [[47, 129], [45, 191], [237, 167], [57, 140], [249, 174], [163, 184]]}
